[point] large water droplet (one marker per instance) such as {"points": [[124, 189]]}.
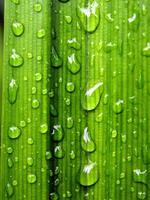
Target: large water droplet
{"points": [[146, 50], [12, 91], [17, 28], [56, 61], [15, 59], [9, 189], [57, 133], [140, 176], [91, 96], [73, 64], [31, 178], [59, 152], [88, 174], [118, 106], [87, 143], [73, 43], [14, 132], [89, 15]]}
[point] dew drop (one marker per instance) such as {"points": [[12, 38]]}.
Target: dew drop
{"points": [[44, 128], [9, 150], [48, 155], [59, 152], [146, 50], [89, 15], [15, 59], [134, 21], [30, 161], [72, 155], [12, 91], [35, 103], [38, 76], [53, 110], [140, 176], [30, 141], [99, 117], [141, 195], [31, 178], [88, 174], [70, 87], [41, 33], [54, 196], [91, 96], [70, 122], [56, 60], [14, 183], [68, 19], [22, 124], [73, 64], [57, 133], [114, 133], [9, 162], [118, 106], [87, 143], [9, 190], [14, 132], [17, 28], [37, 7], [73, 43]]}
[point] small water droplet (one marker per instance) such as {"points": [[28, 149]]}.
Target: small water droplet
{"points": [[38, 76], [34, 90], [134, 21], [70, 87], [10, 150], [12, 91], [29, 55], [9, 190], [72, 155], [30, 161], [48, 155], [89, 15], [114, 133], [87, 143], [56, 60], [73, 64], [118, 106], [41, 33], [140, 176], [15, 59], [140, 81], [22, 123], [141, 195], [53, 110], [35, 103], [30, 141], [59, 152], [14, 132], [68, 19], [14, 183], [54, 196], [17, 28], [91, 96], [31, 178], [146, 50], [57, 133], [37, 7], [44, 128], [88, 174], [99, 117], [73, 43], [70, 122], [9, 162]]}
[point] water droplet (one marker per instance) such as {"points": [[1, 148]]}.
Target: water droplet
{"points": [[146, 154], [14, 132], [56, 61], [14, 183], [22, 124], [73, 64], [123, 138], [10, 150], [91, 96], [118, 106], [48, 155], [30, 161], [88, 174], [17, 28], [15, 59], [70, 122], [9, 162], [57, 133], [114, 133], [12, 91], [146, 50], [72, 155], [140, 81], [31, 178], [34, 90], [70, 87], [134, 21], [41, 33], [29, 55], [68, 19], [37, 7], [57, 170], [54, 196], [30, 141], [140, 176], [44, 128], [59, 152], [99, 117], [87, 143], [16, 1], [109, 17], [68, 194], [35, 103], [53, 110], [38, 76], [73, 43], [109, 47], [9, 190], [89, 15], [141, 195]]}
